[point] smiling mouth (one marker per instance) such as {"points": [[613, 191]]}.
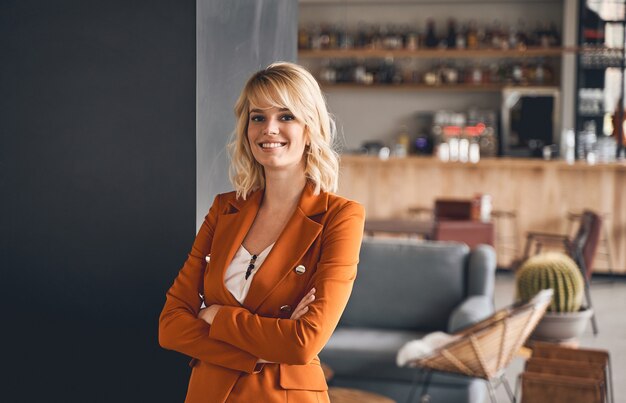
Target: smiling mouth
{"points": [[272, 145]]}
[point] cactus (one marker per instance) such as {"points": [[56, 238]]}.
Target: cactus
{"points": [[551, 270]]}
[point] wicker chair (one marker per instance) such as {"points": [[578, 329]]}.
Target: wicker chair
{"points": [[485, 349]]}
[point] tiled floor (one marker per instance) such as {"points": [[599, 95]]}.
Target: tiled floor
{"points": [[609, 299]]}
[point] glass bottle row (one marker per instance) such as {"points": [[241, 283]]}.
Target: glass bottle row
{"points": [[468, 35], [387, 71]]}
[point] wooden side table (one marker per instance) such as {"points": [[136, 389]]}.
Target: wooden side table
{"points": [[347, 395]]}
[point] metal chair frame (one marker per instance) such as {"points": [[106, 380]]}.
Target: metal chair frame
{"points": [[604, 247]]}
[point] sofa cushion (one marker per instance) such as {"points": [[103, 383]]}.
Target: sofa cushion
{"points": [[371, 354], [407, 285]]}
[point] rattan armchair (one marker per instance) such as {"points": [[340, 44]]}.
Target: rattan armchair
{"points": [[485, 349]]}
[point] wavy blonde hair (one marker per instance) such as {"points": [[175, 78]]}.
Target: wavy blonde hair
{"points": [[285, 85]]}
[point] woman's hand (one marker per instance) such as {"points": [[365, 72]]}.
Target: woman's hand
{"points": [[303, 306], [208, 314], [301, 309]]}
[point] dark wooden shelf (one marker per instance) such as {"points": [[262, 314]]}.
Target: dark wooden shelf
{"points": [[409, 87]]}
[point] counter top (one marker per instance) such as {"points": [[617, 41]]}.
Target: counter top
{"points": [[532, 163]]}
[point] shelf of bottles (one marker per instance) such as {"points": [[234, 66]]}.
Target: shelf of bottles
{"points": [[438, 53], [600, 84], [470, 58]]}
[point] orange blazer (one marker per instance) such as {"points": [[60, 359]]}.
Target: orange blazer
{"points": [[323, 236]]}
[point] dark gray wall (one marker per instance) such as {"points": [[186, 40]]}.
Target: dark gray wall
{"points": [[97, 165], [235, 39], [98, 179]]}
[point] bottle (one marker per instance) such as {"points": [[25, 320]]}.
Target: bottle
{"points": [[475, 210], [512, 38], [403, 142], [443, 152], [474, 151], [451, 39], [522, 36], [461, 38], [328, 73], [361, 40], [517, 73], [540, 73], [496, 35], [345, 40], [387, 71], [333, 37], [570, 142], [453, 146], [481, 35], [476, 75], [324, 37], [553, 35], [359, 72], [464, 145], [303, 38], [376, 41], [315, 38], [412, 40], [485, 208], [450, 75], [472, 35], [587, 142], [431, 38]]}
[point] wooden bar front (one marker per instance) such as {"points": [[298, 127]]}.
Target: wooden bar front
{"points": [[540, 192]]}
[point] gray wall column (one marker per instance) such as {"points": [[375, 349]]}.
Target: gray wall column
{"points": [[235, 38]]}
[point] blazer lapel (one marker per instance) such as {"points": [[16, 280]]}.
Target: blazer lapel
{"points": [[229, 233], [293, 242]]}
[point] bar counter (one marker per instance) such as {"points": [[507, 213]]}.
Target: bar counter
{"points": [[540, 192]]}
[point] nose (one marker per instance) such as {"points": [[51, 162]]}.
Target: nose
{"points": [[271, 126]]}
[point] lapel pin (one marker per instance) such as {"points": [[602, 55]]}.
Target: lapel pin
{"points": [[300, 269], [208, 258]]}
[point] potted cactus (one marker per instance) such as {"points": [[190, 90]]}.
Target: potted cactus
{"points": [[565, 319]]}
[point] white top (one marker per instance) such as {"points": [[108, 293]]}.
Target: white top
{"points": [[235, 277]]}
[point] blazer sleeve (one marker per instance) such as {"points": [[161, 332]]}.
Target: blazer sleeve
{"points": [[179, 327], [297, 342]]}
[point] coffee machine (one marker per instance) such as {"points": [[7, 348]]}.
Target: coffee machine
{"points": [[478, 126], [530, 122]]}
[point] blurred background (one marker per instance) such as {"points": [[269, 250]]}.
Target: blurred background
{"points": [[114, 118]]}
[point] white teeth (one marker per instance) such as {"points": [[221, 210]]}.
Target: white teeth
{"points": [[271, 145]]}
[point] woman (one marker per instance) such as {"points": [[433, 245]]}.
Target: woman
{"points": [[281, 249]]}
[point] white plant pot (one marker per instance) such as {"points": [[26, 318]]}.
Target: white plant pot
{"points": [[562, 327]]}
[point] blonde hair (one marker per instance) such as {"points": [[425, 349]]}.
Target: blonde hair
{"points": [[285, 85]]}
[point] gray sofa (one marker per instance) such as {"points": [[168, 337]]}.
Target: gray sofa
{"points": [[403, 291]]}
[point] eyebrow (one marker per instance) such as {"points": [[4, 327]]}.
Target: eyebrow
{"points": [[261, 110]]}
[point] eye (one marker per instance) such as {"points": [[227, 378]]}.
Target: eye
{"points": [[287, 117], [257, 118]]}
